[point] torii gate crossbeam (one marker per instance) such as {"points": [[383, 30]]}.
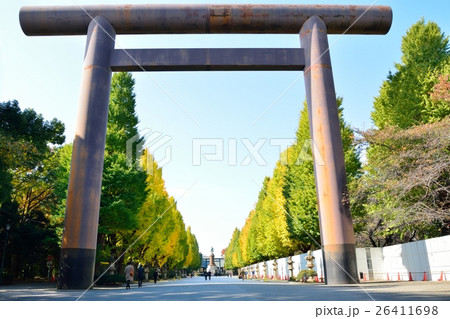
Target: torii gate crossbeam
{"points": [[102, 23]]}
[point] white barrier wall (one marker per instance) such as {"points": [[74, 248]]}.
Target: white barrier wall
{"points": [[427, 259]]}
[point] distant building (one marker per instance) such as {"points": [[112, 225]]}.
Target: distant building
{"points": [[220, 263]]}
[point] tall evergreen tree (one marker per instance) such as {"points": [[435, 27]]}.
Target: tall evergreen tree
{"points": [[300, 188], [122, 118], [404, 98], [123, 185]]}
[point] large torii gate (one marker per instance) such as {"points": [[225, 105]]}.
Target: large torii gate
{"points": [[101, 23]]}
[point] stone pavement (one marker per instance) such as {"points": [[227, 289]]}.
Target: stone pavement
{"points": [[233, 289]]}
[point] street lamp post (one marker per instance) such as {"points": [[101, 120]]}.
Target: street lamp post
{"points": [[8, 226]]}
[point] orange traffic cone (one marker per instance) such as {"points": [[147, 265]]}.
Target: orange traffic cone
{"points": [[410, 277], [388, 277], [424, 276], [398, 277], [316, 279], [364, 277], [442, 277]]}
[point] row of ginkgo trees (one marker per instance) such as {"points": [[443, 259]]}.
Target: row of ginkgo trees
{"points": [[138, 218], [400, 193], [138, 221]]}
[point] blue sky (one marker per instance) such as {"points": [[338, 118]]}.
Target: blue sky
{"points": [[238, 108]]}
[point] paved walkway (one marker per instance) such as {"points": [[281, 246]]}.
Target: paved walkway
{"points": [[233, 289]]}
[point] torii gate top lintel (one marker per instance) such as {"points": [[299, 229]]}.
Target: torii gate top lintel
{"points": [[205, 18]]}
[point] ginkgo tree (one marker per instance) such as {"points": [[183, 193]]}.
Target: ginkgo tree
{"points": [[404, 98], [285, 218]]}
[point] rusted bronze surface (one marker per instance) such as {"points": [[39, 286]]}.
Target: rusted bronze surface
{"points": [[79, 240], [336, 228], [205, 18]]}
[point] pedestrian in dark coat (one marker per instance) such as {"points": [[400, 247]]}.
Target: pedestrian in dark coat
{"points": [[155, 276], [140, 273]]}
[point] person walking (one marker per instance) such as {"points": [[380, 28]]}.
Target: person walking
{"points": [[209, 275], [129, 274], [155, 276], [140, 273], [206, 275]]}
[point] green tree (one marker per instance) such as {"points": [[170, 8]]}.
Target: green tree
{"points": [[233, 255], [285, 219], [60, 166], [300, 188], [404, 98], [193, 259], [259, 221], [123, 185], [403, 194], [245, 240], [28, 200], [24, 139], [163, 241], [122, 118], [277, 241], [253, 255], [406, 189]]}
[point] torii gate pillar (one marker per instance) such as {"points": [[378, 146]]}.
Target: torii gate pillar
{"points": [[78, 247], [336, 227]]}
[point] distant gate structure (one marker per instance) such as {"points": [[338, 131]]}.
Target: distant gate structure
{"points": [[101, 23]]}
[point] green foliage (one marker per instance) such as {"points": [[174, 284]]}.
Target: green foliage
{"points": [[233, 255], [28, 199], [275, 241], [300, 189], [30, 127], [193, 259], [33, 187], [163, 241], [304, 274], [122, 118], [123, 193], [248, 240], [123, 186], [403, 194], [285, 218], [406, 189], [24, 138], [404, 98]]}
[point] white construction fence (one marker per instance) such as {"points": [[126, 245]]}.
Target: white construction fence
{"points": [[422, 260]]}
